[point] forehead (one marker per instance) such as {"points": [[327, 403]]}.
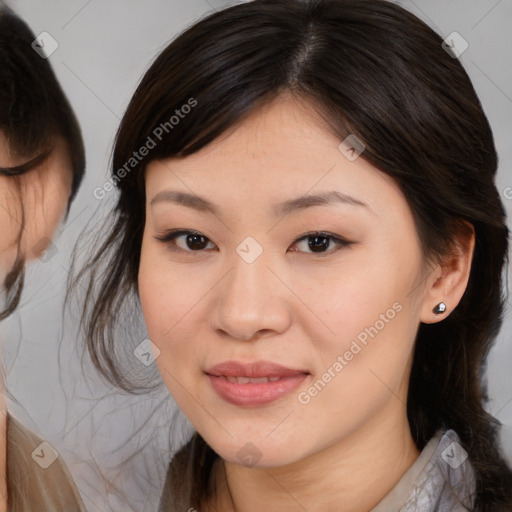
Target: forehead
{"points": [[280, 151]]}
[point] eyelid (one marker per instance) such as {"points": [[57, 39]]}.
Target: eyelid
{"points": [[174, 233], [171, 235], [324, 234], [19, 170]]}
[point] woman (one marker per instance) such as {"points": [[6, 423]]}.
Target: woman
{"points": [[308, 217], [42, 163]]}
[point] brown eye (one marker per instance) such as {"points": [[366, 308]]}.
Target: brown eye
{"points": [[196, 242], [189, 241], [320, 243]]}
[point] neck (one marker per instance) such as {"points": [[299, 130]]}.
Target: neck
{"points": [[354, 474]]}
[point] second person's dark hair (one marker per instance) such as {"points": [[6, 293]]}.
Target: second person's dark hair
{"points": [[33, 111]]}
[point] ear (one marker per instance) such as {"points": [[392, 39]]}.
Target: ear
{"points": [[450, 277]]}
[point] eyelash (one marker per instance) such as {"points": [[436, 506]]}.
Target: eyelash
{"points": [[170, 236]]}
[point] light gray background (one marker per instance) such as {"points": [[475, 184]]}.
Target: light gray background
{"points": [[104, 48]]}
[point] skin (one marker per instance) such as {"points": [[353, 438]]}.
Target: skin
{"points": [[44, 193], [347, 447], [45, 190], [3, 449]]}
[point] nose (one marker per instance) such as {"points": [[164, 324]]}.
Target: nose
{"points": [[252, 302]]}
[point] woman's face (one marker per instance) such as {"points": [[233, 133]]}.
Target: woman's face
{"points": [[331, 321], [41, 198]]}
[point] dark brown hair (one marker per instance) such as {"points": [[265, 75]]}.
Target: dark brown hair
{"points": [[33, 111], [372, 69]]}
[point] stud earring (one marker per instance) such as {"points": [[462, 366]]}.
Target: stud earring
{"points": [[439, 309]]}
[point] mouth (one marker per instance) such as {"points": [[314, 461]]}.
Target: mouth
{"points": [[254, 384], [246, 380]]}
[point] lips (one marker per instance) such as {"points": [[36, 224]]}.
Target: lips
{"points": [[255, 383], [254, 370], [252, 380]]}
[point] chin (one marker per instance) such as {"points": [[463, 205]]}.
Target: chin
{"points": [[258, 454]]}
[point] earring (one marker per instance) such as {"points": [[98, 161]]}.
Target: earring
{"points": [[439, 309]]}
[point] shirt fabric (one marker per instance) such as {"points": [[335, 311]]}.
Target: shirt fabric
{"points": [[38, 480], [441, 479]]}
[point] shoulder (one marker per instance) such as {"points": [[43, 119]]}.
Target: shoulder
{"points": [[37, 478]]}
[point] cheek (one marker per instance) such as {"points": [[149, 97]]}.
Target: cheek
{"points": [[363, 331], [10, 216], [10, 224], [167, 301], [45, 202], [364, 291], [363, 364], [168, 310]]}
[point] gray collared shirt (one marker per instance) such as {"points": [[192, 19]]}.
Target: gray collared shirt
{"points": [[440, 480]]}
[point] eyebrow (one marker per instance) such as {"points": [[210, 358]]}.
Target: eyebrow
{"points": [[280, 209]]}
